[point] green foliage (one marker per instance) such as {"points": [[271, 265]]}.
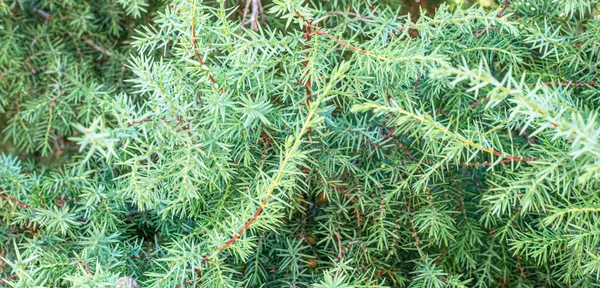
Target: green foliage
{"points": [[302, 143], [58, 61]]}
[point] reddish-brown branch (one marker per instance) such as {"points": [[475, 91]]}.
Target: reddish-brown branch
{"points": [[358, 221], [13, 201], [405, 149], [527, 136], [342, 190], [480, 33], [254, 16], [412, 226], [86, 266], [307, 84], [417, 82], [504, 6], [342, 14], [405, 28], [212, 80], [342, 43], [358, 18], [521, 267], [245, 13], [514, 158], [246, 226], [499, 15], [139, 122], [479, 101]]}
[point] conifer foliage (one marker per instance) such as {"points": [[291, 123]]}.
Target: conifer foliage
{"points": [[300, 143]]}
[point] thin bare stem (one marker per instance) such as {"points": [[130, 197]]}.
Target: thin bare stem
{"points": [[96, 47]]}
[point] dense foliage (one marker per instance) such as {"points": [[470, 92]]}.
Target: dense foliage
{"points": [[296, 143], [59, 59]]}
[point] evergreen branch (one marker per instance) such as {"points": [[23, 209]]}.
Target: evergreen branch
{"points": [[273, 163], [558, 83], [319, 31], [341, 14], [290, 152], [274, 184], [437, 126]]}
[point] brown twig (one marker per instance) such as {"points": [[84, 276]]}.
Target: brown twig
{"points": [[358, 221], [2, 254], [212, 79], [96, 47], [307, 84], [76, 45], [139, 122], [47, 16], [245, 227], [412, 226], [245, 13], [439, 258], [499, 15], [479, 101], [86, 266], [405, 149], [340, 248], [342, 43], [274, 183], [480, 33], [429, 199], [460, 196], [254, 16], [333, 14], [504, 6], [13, 201], [521, 270]]}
